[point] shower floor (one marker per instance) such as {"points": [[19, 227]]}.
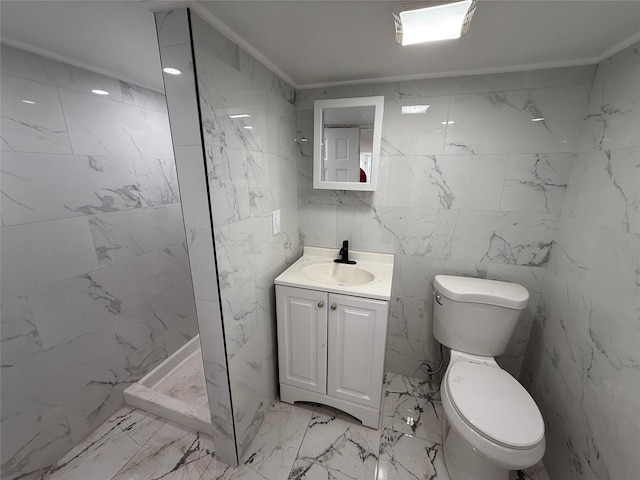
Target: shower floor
{"points": [[186, 382], [175, 390]]}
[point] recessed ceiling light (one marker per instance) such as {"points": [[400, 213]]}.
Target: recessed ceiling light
{"points": [[248, 127], [240, 115], [412, 109], [29, 102], [448, 122], [171, 71], [539, 119], [100, 92], [439, 22]]}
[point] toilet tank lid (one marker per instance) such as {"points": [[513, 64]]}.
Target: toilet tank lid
{"points": [[481, 290]]}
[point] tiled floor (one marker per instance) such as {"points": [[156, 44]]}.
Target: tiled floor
{"points": [[298, 442]]}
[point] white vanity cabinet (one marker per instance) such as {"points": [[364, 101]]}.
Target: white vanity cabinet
{"points": [[331, 350]]}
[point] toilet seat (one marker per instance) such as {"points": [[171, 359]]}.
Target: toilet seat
{"points": [[494, 405]]}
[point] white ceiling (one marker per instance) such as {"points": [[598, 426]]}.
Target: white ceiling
{"points": [[314, 43]]}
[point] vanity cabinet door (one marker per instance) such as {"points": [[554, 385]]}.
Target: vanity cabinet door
{"points": [[357, 338], [302, 337]]}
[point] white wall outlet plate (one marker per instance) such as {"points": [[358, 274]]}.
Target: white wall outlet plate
{"points": [[275, 217]]}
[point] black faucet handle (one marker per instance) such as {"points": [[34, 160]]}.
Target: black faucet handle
{"points": [[344, 254]]}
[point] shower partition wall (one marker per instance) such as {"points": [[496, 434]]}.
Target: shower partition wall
{"points": [[233, 127], [174, 39]]}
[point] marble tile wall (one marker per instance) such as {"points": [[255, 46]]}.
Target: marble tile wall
{"points": [[251, 168], [583, 364], [96, 287], [472, 187]]}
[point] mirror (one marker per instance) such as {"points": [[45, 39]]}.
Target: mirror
{"points": [[346, 152]]}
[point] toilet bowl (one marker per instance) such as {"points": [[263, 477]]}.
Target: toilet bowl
{"points": [[491, 424], [493, 416]]}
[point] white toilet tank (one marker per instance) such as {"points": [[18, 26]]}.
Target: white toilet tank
{"points": [[475, 315]]}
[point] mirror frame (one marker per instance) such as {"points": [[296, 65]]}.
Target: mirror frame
{"points": [[319, 105]]}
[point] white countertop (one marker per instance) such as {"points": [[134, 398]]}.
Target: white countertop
{"points": [[380, 265]]}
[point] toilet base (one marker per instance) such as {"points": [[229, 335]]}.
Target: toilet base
{"points": [[464, 462]]}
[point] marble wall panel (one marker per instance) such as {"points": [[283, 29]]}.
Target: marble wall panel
{"points": [[180, 102], [157, 181], [227, 170], [19, 335], [582, 366], [501, 122], [175, 309], [36, 254], [32, 119], [123, 235], [462, 182], [479, 196], [614, 173], [77, 401], [556, 77], [217, 379], [141, 97], [33, 430], [414, 134], [32, 186], [251, 171], [95, 280], [214, 42], [31, 66], [612, 118], [536, 183], [318, 224], [101, 127], [170, 266]]}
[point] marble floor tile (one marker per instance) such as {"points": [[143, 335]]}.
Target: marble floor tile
{"points": [[172, 453], [102, 453], [408, 457], [537, 472], [336, 445], [295, 442], [275, 446], [411, 407]]}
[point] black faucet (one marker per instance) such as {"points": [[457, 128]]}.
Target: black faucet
{"points": [[344, 254]]}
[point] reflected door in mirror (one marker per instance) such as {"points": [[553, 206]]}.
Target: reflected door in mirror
{"points": [[341, 161]]}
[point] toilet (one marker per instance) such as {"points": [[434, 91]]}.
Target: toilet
{"points": [[491, 424]]}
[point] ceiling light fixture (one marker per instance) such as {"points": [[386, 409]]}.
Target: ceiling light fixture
{"points": [[100, 92], [248, 127], [171, 71], [539, 119], [240, 115], [432, 21], [413, 109], [29, 102], [448, 122]]}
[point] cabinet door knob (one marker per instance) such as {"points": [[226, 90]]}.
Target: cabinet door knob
{"points": [[333, 307], [320, 304]]}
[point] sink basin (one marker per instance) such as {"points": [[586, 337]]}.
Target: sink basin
{"points": [[370, 278], [337, 274]]}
